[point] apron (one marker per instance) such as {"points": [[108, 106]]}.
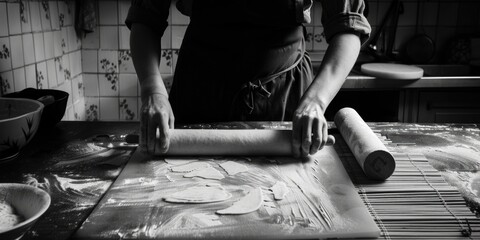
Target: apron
{"points": [[241, 60]]}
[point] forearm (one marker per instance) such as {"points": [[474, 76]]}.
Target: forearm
{"points": [[145, 47], [338, 61]]}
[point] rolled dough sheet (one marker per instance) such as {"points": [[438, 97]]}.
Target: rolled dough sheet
{"points": [[207, 173], [251, 202], [199, 194], [233, 168], [190, 167], [228, 142]]}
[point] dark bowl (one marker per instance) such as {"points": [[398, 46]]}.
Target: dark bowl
{"points": [[55, 102]]}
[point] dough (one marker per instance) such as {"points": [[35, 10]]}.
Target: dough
{"points": [[179, 161], [251, 202], [190, 167], [199, 194], [279, 190], [207, 173], [8, 218], [233, 168]]}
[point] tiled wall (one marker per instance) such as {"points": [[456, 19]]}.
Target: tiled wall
{"points": [[39, 49], [104, 85]]}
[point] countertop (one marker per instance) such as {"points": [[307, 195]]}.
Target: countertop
{"points": [[77, 173]]}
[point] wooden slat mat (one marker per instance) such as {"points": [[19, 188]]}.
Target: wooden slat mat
{"points": [[415, 202]]}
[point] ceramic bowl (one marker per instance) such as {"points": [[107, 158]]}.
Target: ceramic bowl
{"points": [[55, 102], [28, 201], [19, 121]]}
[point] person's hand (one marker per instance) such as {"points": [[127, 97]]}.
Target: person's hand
{"points": [[310, 129], [155, 121]]}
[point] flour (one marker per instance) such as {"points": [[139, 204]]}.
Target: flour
{"points": [[279, 190]]}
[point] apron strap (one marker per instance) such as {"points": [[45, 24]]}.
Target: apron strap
{"points": [[257, 87]]}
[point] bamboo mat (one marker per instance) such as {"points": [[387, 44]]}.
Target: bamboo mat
{"points": [[415, 202]]}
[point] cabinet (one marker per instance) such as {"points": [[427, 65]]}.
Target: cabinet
{"points": [[449, 106]]}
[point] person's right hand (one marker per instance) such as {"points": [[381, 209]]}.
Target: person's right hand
{"points": [[156, 113]]}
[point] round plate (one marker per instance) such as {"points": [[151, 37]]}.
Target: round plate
{"points": [[392, 71]]}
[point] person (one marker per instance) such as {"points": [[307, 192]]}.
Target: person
{"points": [[243, 60]]}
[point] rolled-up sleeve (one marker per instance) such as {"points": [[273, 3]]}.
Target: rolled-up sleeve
{"points": [[341, 16], [152, 13]]}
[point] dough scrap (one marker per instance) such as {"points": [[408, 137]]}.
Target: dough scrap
{"points": [[199, 194], [233, 168], [190, 167], [249, 203], [207, 173], [8, 218], [279, 190]]}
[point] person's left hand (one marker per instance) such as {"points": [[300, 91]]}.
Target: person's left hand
{"points": [[310, 129]]}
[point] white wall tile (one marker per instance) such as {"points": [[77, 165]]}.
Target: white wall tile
{"points": [[128, 85], [109, 108], [128, 108], [167, 38], [319, 41], [177, 17], [66, 67], [59, 69], [45, 16], [108, 83], [57, 43], [90, 61], [76, 62], [74, 42], [123, 7], [166, 61], [19, 80], [3, 20], [30, 76], [64, 43], [49, 45], [14, 24], [178, 32], [75, 92], [28, 48], [42, 75], [109, 38], [108, 14], [168, 81], [35, 16], [125, 62], [25, 16], [6, 82], [91, 40], [39, 47], [16, 45], [124, 39], [90, 82], [79, 110], [309, 39], [52, 73], [54, 15], [5, 54], [92, 111]]}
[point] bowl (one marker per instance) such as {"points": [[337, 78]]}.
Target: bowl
{"points": [[19, 121], [55, 102], [29, 202]]}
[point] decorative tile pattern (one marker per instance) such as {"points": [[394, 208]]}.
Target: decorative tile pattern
{"points": [[128, 108], [6, 82], [5, 55]]}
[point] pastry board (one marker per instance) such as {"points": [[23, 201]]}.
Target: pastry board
{"points": [[321, 201]]}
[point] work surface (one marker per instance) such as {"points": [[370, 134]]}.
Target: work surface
{"points": [[414, 202]]}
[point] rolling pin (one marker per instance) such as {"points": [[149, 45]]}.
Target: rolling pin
{"points": [[372, 155], [229, 142]]}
